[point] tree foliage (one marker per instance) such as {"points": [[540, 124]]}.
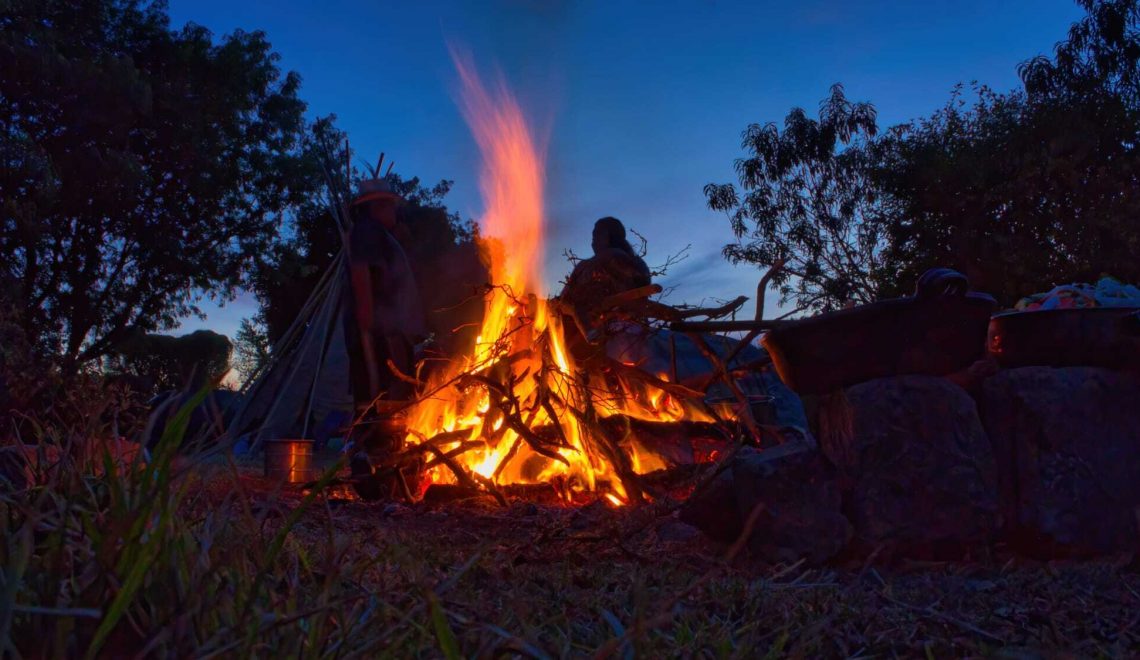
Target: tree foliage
{"points": [[1019, 190], [807, 203], [1096, 61], [251, 347], [1031, 188], [142, 167]]}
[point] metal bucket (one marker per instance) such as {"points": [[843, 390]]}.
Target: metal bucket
{"points": [[290, 460]]}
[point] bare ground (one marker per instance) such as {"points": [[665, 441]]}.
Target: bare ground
{"points": [[544, 579]]}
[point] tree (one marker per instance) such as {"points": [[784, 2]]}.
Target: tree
{"points": [[143, 167], [251, 347], [808, 204], [1020, 191], [1097, 61], [1025, 190], [946, 181]]}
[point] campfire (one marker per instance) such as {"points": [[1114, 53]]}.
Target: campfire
{"points": [[533, 402]]}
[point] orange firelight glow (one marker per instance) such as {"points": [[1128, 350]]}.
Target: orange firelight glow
{"points": [[522, 340]]}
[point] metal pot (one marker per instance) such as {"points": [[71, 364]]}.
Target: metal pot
{"points": [[290, 460], [1092, 337]]}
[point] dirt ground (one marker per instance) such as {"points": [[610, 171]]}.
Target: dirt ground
{"points": [[549, 580]]}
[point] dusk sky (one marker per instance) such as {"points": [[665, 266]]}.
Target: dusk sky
{"points": [[642, 103]]}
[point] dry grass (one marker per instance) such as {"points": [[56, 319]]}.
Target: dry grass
{"points": [[567, 582], [205, 559]]}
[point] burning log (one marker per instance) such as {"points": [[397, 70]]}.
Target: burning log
{"points": [[536, 408], [609, 444], [473, 481], [653, 434], [633, 373], [515, 422]]}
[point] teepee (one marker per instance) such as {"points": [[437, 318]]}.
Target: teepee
{"points": [[306, 378]]}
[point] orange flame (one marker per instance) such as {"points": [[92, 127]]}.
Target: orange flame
{"points": [[511, 181], [517, 318]]}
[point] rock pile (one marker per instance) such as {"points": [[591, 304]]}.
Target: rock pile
{"points": [[1047, 458]]}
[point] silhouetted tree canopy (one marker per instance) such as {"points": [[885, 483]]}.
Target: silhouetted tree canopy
{"points": [[142, 166], [1020, 191], [806, 201], [1024, 190]]}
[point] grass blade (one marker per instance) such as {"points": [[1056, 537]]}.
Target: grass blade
{"points": [[448, 644]]}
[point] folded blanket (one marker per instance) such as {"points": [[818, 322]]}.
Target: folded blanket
{"points": [[1107, 292]]}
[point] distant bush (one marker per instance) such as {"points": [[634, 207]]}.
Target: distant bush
{"points": [[201, 358]]}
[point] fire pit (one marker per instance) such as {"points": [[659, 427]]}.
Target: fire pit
{"points": [[521, 407]]}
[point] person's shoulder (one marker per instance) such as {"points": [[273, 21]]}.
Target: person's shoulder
{"points": [[584, 267], [620, 256]]}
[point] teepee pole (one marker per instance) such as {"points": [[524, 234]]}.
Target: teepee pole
{"points": [[303, 317], [326, 292]]}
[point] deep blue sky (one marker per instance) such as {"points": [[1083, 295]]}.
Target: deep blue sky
{"points": [[642, 102]]}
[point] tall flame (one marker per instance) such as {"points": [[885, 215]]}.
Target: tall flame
{"points": [[521, 340], [511, 180], [512, 184]]}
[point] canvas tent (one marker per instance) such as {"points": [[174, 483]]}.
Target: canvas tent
{"points": [[305, 382]]}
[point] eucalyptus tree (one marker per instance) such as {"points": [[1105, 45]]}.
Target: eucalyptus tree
{"points": [[806, 206]]}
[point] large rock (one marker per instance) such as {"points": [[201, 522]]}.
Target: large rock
{"points": [[919, 468], [1068, 441], [797, 505], [789, 490], [712, 509]]}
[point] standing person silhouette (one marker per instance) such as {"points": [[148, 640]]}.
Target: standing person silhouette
{"points": [[383, 312]]}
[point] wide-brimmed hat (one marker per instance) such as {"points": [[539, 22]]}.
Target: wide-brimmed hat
{"points": [[372, 189]]}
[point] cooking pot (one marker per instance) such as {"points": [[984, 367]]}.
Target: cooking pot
{"points": [[1092, 336]]}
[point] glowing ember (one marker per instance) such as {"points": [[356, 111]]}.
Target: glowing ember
{"points": [[518, 409]]}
